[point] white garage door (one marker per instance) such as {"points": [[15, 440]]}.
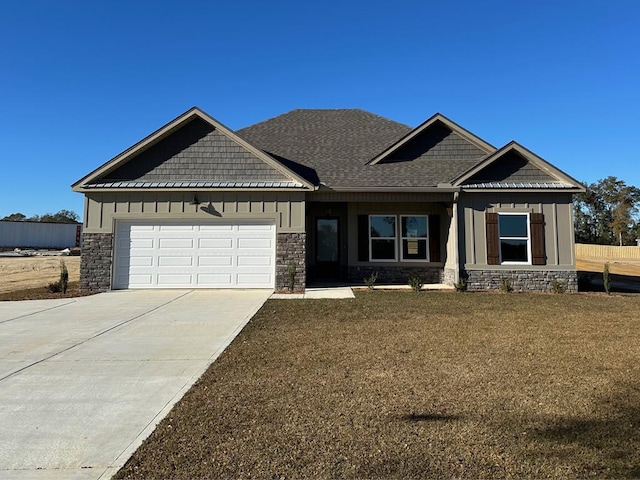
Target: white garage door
{"points": [[171, 254]]}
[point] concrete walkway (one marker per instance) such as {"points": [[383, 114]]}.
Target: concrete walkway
{"points": [[84, 381]]}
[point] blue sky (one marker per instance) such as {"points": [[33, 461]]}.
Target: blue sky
{"points": [[81, 81]]}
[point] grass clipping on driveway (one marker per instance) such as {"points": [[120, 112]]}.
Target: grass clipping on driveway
{"points": [[399, 385]]}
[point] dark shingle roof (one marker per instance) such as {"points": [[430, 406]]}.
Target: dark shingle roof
{"points": [[334, 146]]}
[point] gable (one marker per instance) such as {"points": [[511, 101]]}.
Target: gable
{"points": [[192, 151], [511, 167], [197, 151], [515, 167], [438, 141]]}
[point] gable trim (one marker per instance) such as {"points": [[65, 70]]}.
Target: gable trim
{"points": [[562, 180], [464, 133], [172, 126]]}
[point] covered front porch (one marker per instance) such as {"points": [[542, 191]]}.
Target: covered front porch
{"points": [[383, 238]]}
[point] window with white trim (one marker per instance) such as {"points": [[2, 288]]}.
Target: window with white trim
{"points": [[382, 238], [515, 238], [414, 231], [408, 241]]}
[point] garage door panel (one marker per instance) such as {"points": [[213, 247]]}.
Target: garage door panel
{"points": [[217, 254], [254, 260], [215, 261], [165, 261], [215, 243], [253, 279], [175, 243], [174, 280], [221, 227], [254, 243], [141, 261]]}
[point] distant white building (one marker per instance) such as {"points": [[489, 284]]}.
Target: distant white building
{"points": [[39, 235]]}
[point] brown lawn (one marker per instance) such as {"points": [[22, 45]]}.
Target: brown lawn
{"points": [[404, 385]]}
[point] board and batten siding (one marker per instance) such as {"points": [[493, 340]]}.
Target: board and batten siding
{"points": [[286, 208], [558, 225]]}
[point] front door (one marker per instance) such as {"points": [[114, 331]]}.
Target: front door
{"points": [[327, 248]]}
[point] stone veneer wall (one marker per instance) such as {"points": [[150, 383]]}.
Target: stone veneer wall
{"points": [[397, 275], [521, 280], [291, 248], [95, 262]]}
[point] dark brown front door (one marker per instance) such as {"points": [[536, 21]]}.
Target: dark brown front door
{"points": [[327, 248]]}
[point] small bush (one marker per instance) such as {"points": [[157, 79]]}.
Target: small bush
{"points": [[370, 281], [505, 285], [461, 285], [415, 283], [558, 286], [292, 276], [54, 287], [606, 278], [64, 277]]}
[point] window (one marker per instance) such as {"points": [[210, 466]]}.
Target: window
{"points": [[386, 239], [414, 237], [514, 238], [382, 238]]}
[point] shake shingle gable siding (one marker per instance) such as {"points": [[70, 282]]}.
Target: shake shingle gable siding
{"points": [[196, 151]]}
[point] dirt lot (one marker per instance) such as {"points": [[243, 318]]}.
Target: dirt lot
{"points": [[20, 273]]}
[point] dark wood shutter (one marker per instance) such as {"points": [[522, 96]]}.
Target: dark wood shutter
{"points": [[434, 238], [493, 239], [363, 238], [537, 239]]}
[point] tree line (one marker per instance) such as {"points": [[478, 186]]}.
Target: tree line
{"points": [[63, 216], [607, 213]]}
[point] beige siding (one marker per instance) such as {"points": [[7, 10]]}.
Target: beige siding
{"points": [[558, 217], [370, 197], [287, 209]]}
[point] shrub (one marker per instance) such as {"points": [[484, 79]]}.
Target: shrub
{"points": [[54, 287], [370, 281], [505, 285], [292, 276], [606, 279], [64, 277], [415, 283], [461, 285], [558, 286]]}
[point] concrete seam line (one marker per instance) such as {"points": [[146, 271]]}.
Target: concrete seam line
{"points": [[39, 311], [113, 327]]}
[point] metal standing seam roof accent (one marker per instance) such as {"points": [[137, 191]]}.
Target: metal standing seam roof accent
{"points": [[183, 184], [554, 185]]}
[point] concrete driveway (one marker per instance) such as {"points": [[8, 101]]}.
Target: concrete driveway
{"points": [[84, 381]]}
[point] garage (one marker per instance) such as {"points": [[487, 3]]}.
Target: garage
{"points": [[188, 254]]}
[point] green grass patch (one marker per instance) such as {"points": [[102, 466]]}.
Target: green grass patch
{"points": [[399, 385]]}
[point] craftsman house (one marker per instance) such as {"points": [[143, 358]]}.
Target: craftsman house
{"points": [[316, 196]]}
